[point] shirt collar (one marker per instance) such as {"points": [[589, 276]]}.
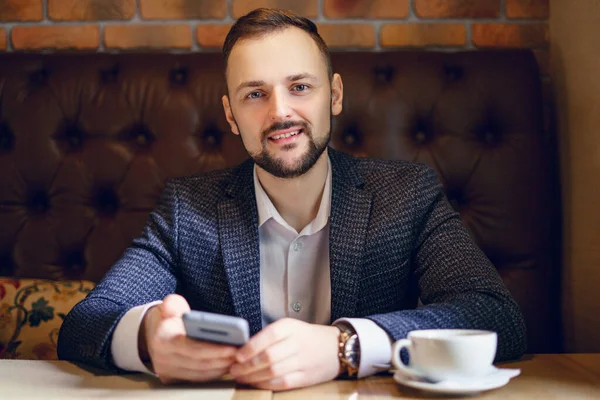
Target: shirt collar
{"points": [[266, 209]]}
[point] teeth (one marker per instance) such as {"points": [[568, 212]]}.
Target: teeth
{"points": [[285, 135]]}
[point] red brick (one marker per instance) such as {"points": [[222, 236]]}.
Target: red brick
{"points": [[2, 39], [366, 8], [510, 35], [183, 9], [212, 35], [148, 36], [420, 35], [306, 8], [348, 35], [457, 8], [90, 10], [527, 8], [55, 37], [21, 10]]}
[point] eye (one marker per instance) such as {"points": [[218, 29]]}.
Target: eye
{"points": [[300, 87], [254, 95]]}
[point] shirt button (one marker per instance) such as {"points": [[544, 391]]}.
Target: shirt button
{"points": [[297, 246], [297, 306]]}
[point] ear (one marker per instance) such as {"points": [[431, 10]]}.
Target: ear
{"points": [[229, 115], [337, 94]]}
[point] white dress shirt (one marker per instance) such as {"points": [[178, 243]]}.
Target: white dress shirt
{"points": [[294, 282]]}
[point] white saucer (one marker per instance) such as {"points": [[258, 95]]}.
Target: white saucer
{"points": [[495, 379]]}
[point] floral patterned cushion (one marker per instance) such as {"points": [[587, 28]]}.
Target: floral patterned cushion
{"points": [[31, 313]]}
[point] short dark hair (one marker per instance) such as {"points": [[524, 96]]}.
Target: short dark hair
{"points": [[263, 21]]}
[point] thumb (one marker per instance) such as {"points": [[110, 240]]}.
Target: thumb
{"points": [[174, 305]]}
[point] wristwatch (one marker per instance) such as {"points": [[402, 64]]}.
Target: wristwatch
{"points": [[348, 350]]}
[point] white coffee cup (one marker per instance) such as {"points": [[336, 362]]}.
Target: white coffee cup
{"points": [[442, 354]]}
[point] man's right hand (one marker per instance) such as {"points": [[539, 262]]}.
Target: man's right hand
{"points": [[174, 356]]}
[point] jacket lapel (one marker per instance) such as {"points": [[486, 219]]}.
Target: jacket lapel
{"points": [[349, 219], [238, 236]]}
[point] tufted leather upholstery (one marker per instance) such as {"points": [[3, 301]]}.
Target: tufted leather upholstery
{"points": [[87, 141]]}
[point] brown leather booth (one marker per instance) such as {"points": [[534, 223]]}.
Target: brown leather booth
{"points": [[87, 142]]}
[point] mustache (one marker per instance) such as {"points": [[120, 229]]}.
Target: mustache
{"points": [[277, 126]]}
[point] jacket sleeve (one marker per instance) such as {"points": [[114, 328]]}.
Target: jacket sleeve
{"points": [[458, 285], [85, 335]]}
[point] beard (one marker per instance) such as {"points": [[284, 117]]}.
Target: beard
{"points": [[277, 167]]}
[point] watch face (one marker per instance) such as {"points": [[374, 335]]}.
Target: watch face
{"points": [[351, 351]]}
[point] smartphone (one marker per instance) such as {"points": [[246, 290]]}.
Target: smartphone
{"points": [[216, 328]]}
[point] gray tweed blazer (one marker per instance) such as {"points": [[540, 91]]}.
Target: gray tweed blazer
{"points": [[394, 239]]}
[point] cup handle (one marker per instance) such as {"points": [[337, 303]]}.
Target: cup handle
{"points": [[397, 361]]}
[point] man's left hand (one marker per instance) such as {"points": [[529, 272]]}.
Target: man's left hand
{"points": [[288, 354]]}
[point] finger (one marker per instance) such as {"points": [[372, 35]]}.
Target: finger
{"points": [[174, 305], [290, 381], [270, 372], [201, 350], [177, 360], [171, 338], [169, 330], [178, 374], [272, 355], [270, 335], [198, 364]]}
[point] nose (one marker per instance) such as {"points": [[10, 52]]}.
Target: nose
{"points": [[279, 109]]}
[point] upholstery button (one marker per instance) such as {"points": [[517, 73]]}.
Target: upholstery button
{"points": [[75, 141], [139, 135], [7, 138], [456, 198], [421, 130], [453, 73], [420, 137], [75, 261], [489, 138], [211, 136], [109, 75], [297, 306], [38, 78], [106, 201], [384, 74], [141, 139], [178, 76], [351, 136], [74, 136], [38, 202], [211, 140]]}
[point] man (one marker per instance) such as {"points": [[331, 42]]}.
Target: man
{"points": [[294, 240]]}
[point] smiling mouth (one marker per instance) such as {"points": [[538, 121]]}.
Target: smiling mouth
{"points": [[286, 135]]}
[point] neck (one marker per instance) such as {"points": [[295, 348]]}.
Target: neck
{"points": [[297, 199]]}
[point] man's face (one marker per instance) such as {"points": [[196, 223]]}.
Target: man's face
{"points": [[281, 100]]}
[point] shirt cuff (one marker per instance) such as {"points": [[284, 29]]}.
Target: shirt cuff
{"points": [[124, 345], [375, 345]]}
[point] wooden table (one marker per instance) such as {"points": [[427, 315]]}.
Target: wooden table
{"points": [[543, 376]]}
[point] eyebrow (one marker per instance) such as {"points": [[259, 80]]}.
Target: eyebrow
{"points": [[298, 77], [249, 84], [290, 78]]}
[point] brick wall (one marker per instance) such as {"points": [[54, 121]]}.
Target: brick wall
{"points": [[200, 25]]}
